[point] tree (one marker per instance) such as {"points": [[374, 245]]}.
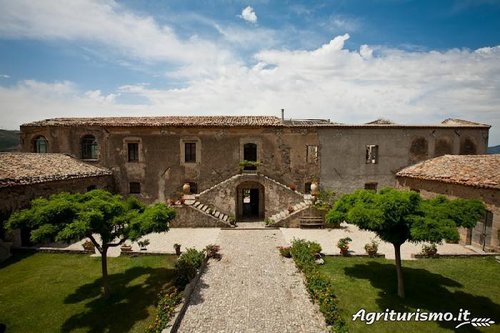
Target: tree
{"points": [[400, 216], [68, 217]]}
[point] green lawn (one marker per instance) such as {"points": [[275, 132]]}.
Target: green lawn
{"points": [[61, 292], [431, 285]]}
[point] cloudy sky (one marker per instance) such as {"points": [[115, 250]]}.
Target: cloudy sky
{"points": [[352, 61]]}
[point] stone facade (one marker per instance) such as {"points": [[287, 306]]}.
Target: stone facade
{"points": [[154, 157]]}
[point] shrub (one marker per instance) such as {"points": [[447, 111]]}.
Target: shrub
{"points": [[318, 285], [168, 300], [187, 266], [429, 250]]}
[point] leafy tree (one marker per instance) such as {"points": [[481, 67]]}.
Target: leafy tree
{"points": [[68, 217], [400, 216]]}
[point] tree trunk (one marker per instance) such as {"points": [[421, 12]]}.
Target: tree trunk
{"points": [[399, 270], [104, 266]]}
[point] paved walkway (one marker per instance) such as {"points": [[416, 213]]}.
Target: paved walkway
{"points": [[328, 239], [251, 289]]}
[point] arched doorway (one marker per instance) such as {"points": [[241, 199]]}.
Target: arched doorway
{"points": [[250, 202]]}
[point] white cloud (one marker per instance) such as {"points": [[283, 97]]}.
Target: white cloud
{"points": [[4, 76], [328, 82], [248, 14], [109, 25]]}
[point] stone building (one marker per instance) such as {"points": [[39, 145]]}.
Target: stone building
{"points": [[469, 177], [248, 167], [26, 176]]}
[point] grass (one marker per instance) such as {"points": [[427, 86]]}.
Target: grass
{"points": [[437, 285], [61, 292]]}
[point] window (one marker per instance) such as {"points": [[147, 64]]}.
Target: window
{"points": [[133, 152], [312, 154], [41, 145], [190, 152], [89, 148], [371, 186], [371, 154], [307, 188], [135, 187]]}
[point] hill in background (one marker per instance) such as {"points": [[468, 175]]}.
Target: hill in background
{"points": [[9, 140], [494, 150]]}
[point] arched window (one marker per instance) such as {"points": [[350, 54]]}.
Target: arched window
{"points": [[467, 147], [443, 147], [418, 150], [89, 147], [41, 145]]}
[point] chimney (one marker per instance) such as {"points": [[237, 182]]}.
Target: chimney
{"points": [[283, 115]]}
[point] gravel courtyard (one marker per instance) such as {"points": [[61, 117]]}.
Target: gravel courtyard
{"points": [[251, 289]]}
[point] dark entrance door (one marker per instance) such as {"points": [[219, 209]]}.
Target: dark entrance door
{"points": [[250, 202]]}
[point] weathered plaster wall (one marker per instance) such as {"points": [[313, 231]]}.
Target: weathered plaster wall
{"points": [[491, 197], [161, 170], [343, 152]]}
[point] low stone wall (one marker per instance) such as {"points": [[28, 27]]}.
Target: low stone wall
{"points": [[189, 217]]}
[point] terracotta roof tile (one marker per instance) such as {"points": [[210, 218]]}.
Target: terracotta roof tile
{"points": [[187, 121], [31, 168], [469, 170], [230, 121]]}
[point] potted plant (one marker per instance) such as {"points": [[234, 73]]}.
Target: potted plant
{"points": [[249, 165], [143, 244], [177, 248], [212, 251], [291, 209], [372, 248], [343, 245], [126, 247], [88, 246], [292, 187], [429, 250]]}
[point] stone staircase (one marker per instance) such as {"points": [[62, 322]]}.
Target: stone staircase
{"points": [[284, 214], [211, 211]]}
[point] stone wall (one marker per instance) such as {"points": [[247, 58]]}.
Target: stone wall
{"points": [[341, 163], [189, 217], [343, 152], [277, 197], [491, 197]]}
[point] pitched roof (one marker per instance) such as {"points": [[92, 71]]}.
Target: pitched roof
{"points": [[31, 168], [460, 122], [469, 170], [187, 121], [381, 121], [230, 121]]}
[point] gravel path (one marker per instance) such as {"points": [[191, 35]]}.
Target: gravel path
{"points": [[251, 289]]}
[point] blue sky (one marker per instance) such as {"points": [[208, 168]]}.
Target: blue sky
{"points": [[351, 61]]}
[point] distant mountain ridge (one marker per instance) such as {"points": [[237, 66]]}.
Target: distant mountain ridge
{"points": [[494, 150], [9, 140]]}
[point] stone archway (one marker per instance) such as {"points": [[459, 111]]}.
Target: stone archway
{"points": [[250, 201]]}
